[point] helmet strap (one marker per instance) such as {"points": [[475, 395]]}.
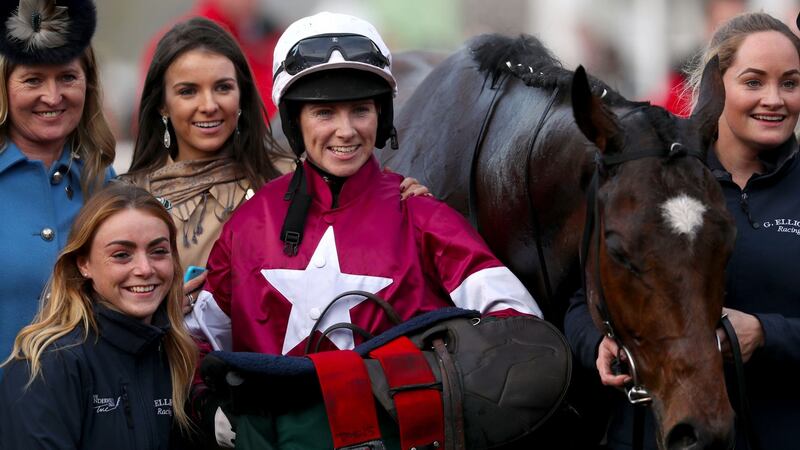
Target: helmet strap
{"points": [[300, 201]]}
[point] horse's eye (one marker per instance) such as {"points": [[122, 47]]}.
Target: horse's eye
{"points": [[616, 250]]}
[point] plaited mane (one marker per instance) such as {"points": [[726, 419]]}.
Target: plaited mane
{"points": [[527, 59]]}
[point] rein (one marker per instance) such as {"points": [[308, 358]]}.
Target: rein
{"points": [[473, 195]]}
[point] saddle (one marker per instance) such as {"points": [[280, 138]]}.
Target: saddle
{"points": [[446, 379]]}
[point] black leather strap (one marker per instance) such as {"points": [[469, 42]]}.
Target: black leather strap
{"points": [[295, 220], [452, 398], [387, 309], [638, 427], [537, 229], [743, 416], [338, 326], [472, 195]]}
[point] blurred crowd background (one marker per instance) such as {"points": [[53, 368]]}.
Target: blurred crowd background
{"points": [[636, 46]]}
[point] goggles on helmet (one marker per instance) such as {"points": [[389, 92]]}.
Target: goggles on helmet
{"points": [[317, 50]]}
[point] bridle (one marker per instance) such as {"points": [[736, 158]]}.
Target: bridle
{"points": [[638, 395], [636, 392]]}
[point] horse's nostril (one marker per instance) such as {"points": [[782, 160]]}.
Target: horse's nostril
{"points": [[682, 437]]}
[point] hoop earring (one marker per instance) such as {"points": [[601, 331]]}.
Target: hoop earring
{"points": [[167, 139]]}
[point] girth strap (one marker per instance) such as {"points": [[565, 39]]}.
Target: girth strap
{"points": [[415, 392], [452, 398], [347, 394]]}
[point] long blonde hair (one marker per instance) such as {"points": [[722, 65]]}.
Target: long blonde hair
{"points": [[68, 303], [92, 139]]}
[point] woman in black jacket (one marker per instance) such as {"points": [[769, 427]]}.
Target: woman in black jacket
{"points": [[107, 359], [755, 160]]}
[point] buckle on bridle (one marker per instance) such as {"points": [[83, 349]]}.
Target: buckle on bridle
{"points": [[637, 394]]}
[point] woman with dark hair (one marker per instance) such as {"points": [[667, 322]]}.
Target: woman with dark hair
{"points": [[203, 144], [56, 146], [107, 362], [755, 160]]}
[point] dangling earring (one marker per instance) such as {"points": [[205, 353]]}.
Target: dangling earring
{"points": [[167, 140], [238, 115]]}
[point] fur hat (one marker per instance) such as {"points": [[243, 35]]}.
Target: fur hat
{"points": [[45, 31]]}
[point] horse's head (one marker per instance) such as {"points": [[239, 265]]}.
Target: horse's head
{"points": [[657, 254]]}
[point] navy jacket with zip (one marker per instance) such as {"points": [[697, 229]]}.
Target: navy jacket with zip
{"points": [[112, 391], [763, 279]]}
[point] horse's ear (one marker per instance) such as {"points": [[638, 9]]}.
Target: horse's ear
{"points": [[710, 103], [595, 122]]}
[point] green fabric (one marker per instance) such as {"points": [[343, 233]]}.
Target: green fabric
{"points": [[302, 429]]}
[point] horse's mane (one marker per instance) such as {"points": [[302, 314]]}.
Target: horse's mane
{"points": [[529, 60]]}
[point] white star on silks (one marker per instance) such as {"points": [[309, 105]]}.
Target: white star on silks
{"points": [[312, 289]]}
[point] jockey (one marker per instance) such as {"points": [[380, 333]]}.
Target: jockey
{"points": [[338, 224]]}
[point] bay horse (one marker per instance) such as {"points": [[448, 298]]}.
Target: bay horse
{"points": [[502, 129]]}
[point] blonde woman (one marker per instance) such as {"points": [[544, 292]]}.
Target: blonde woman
{"points": [[107, 358], [56, 146]]}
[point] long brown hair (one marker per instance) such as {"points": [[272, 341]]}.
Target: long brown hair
{"points": [[251, 148], [92, 139], [69, 302]]}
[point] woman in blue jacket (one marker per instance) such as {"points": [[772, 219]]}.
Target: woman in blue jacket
{"points": [[107, 361], [56, 147], [755, 160]]}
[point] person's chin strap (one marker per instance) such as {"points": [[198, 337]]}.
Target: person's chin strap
{"points": [[300, 201]]}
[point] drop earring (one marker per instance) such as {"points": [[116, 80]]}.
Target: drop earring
{"points": [[238, 115], [167, 140]]}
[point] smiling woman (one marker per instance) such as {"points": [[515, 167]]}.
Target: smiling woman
{"points": [[339, 137], [203, 144], [45, 106], [755, 160], [109, 342], [56, 147], [131, 268], [202, 101]]}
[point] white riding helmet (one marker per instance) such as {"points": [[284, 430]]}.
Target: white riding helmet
{"points": [[328, 41]]}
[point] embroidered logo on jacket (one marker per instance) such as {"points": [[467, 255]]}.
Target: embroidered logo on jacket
{"points": [[163, 406], [104, 404], [783, 225]]}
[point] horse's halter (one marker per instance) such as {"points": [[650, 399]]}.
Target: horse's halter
{"points": [[636, 392]]}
